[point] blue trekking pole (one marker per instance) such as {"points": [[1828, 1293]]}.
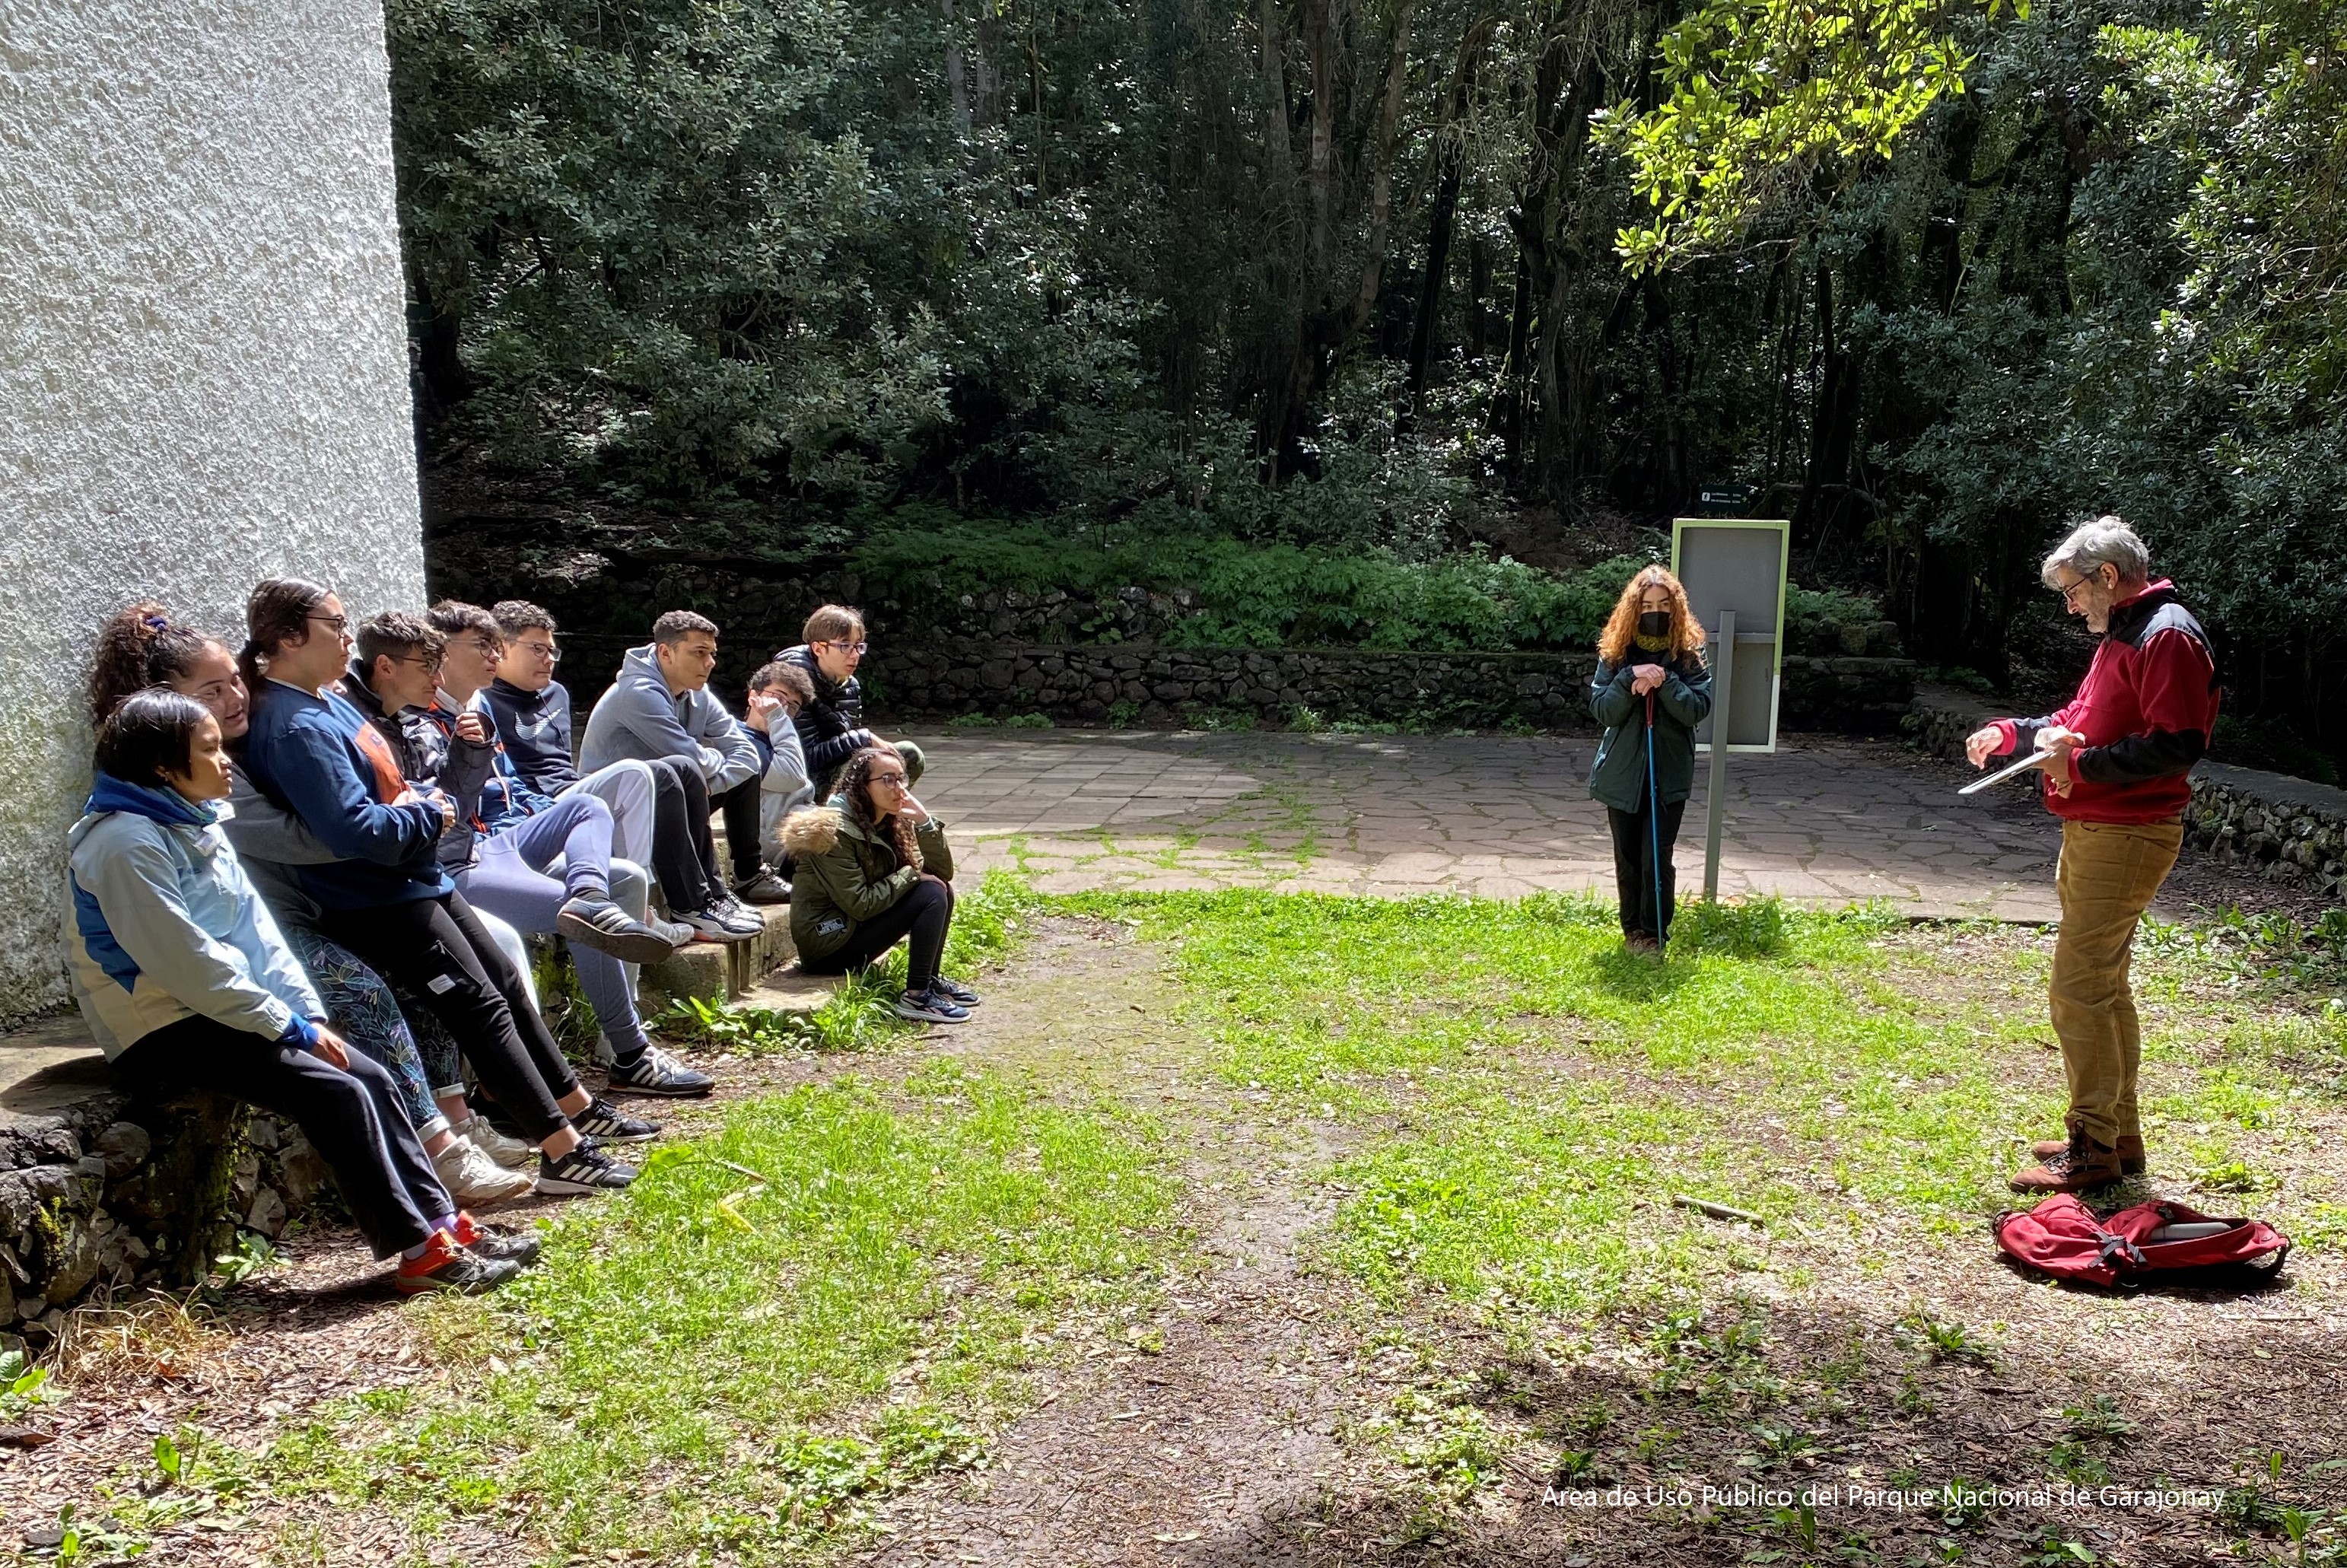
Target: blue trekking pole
{"points": [[1655, 835]]}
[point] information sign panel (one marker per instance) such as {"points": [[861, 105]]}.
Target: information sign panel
{"points": [[1737, 565]]}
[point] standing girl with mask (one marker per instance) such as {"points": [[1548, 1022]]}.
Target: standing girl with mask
{"points": [[1651, 690]]}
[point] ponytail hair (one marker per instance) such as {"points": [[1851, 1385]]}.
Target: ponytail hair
{"points": [[278, 613], [140, 647]]}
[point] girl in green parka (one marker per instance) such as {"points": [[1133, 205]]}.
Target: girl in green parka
{"points": [[873, 869], [1651, 690]]}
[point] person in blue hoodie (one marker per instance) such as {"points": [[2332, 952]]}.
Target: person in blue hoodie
{"points": [[388, 899], [187, 984]]}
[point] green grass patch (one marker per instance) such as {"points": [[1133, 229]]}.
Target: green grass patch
{"points": [[836, 1294], [1538, 1094]]}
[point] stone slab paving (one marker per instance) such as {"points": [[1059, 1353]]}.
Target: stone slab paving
{"points": [[1824, 821]]}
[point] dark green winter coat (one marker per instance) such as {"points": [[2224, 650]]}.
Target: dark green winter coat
{"points": [[841, 876], [1618, 779]]}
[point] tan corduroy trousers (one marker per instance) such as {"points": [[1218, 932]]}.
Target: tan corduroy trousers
{"points": [[2109, 872]]}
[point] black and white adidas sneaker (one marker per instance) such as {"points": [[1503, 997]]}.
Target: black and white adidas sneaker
{"points": [[583, 1172], [607, 1123]]}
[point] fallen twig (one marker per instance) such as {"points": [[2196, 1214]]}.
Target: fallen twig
{"points": [[1718, 1210]]}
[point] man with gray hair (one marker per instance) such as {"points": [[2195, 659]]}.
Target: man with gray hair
{"points": [[2117, 764]]}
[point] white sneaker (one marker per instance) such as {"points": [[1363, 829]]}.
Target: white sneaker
{"points": [[473, 1180], [510, 1153]]}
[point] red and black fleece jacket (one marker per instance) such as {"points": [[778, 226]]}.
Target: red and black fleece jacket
{"points": [[2147, 708]]}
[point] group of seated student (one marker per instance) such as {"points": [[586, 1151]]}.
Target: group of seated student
{"points": [[306, 870]]}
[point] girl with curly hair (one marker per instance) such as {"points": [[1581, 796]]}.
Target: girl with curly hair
{"points": [[1651, 690], [873, 869]]}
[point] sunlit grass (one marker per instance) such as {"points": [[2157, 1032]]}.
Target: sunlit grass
{"points": [[834, 1295]]}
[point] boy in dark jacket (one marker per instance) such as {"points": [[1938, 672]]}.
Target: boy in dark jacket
{"points": [[533, 714], [831, 725]]}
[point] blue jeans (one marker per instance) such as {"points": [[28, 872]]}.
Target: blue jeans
{"points": [[513, 880], [362, 1009]]}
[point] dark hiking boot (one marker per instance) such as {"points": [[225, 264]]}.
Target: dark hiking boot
{"points": [[2081, 1166], [2131, 1157]]}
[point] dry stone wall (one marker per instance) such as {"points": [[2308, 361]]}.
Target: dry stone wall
{"points": [[1160, 686]]}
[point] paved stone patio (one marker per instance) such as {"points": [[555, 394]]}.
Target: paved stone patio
{"points": [[1824, 821]]}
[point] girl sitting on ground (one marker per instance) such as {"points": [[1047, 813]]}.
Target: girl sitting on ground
{"points": [[873, 869], [1651, 690], [186, 983]]}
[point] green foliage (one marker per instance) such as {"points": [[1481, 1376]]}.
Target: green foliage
{"points": [[1759, 95]]}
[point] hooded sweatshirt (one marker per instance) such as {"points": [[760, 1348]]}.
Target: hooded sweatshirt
{"points": [[535, 728], [316, 754], [432, 756], [784, 786], [166, 925], [640, 718]]}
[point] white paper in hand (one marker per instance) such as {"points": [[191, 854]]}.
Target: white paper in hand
{"points": [[2034, 760]]}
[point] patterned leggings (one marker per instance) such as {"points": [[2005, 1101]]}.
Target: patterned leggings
{"points": [[364, 1008]]}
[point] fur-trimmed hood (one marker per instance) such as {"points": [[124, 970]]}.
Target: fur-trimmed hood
{"points": [[816, 829]]}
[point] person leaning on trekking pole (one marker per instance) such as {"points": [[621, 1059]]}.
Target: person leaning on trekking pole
{"points": [[2117, 761], [1651, 690]]}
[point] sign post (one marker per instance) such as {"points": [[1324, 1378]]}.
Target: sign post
{"points": [[1722, 687], [1734, 571]]}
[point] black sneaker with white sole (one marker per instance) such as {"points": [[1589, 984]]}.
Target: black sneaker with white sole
{"points": [[954, 991], [585, 1171], [764, 888], [737, 915], [607, 1123], [709, 926], [929, 1007], [600, 924], [658, 1072]]}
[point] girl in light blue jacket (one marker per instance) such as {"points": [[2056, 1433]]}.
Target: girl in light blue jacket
{"points": [[186, 982]]}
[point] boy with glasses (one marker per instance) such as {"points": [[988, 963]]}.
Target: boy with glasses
{"points": [[531, 844], [831, 725]]}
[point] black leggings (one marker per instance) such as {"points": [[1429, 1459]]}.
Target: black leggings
{"points": [[352, 1116], [924, 912], [437, 950], [1634, 868]]}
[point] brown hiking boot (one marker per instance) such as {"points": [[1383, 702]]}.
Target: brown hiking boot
{"points": [[2080, 1164], [2131, 1157]]}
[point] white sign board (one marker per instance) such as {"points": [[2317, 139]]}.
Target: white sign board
{"points": [[1737, 564]]}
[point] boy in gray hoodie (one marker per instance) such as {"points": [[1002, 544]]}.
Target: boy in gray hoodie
{"points": [[660, 706]]}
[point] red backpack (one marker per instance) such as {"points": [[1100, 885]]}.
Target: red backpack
{"points": [[2159, 1241]]}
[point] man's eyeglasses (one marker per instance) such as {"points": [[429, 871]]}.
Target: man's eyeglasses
{"points": [[2069, 591], [546, 650], [483, 647], [427, 663], [854, 648]]}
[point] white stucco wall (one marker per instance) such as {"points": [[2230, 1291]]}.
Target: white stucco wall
{"points": [[202, 361]]}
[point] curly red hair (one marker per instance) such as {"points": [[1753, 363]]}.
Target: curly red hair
{"points": [[1614, 643]]}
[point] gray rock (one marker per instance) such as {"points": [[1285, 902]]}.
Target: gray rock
{"points": [[125, 1146]]}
